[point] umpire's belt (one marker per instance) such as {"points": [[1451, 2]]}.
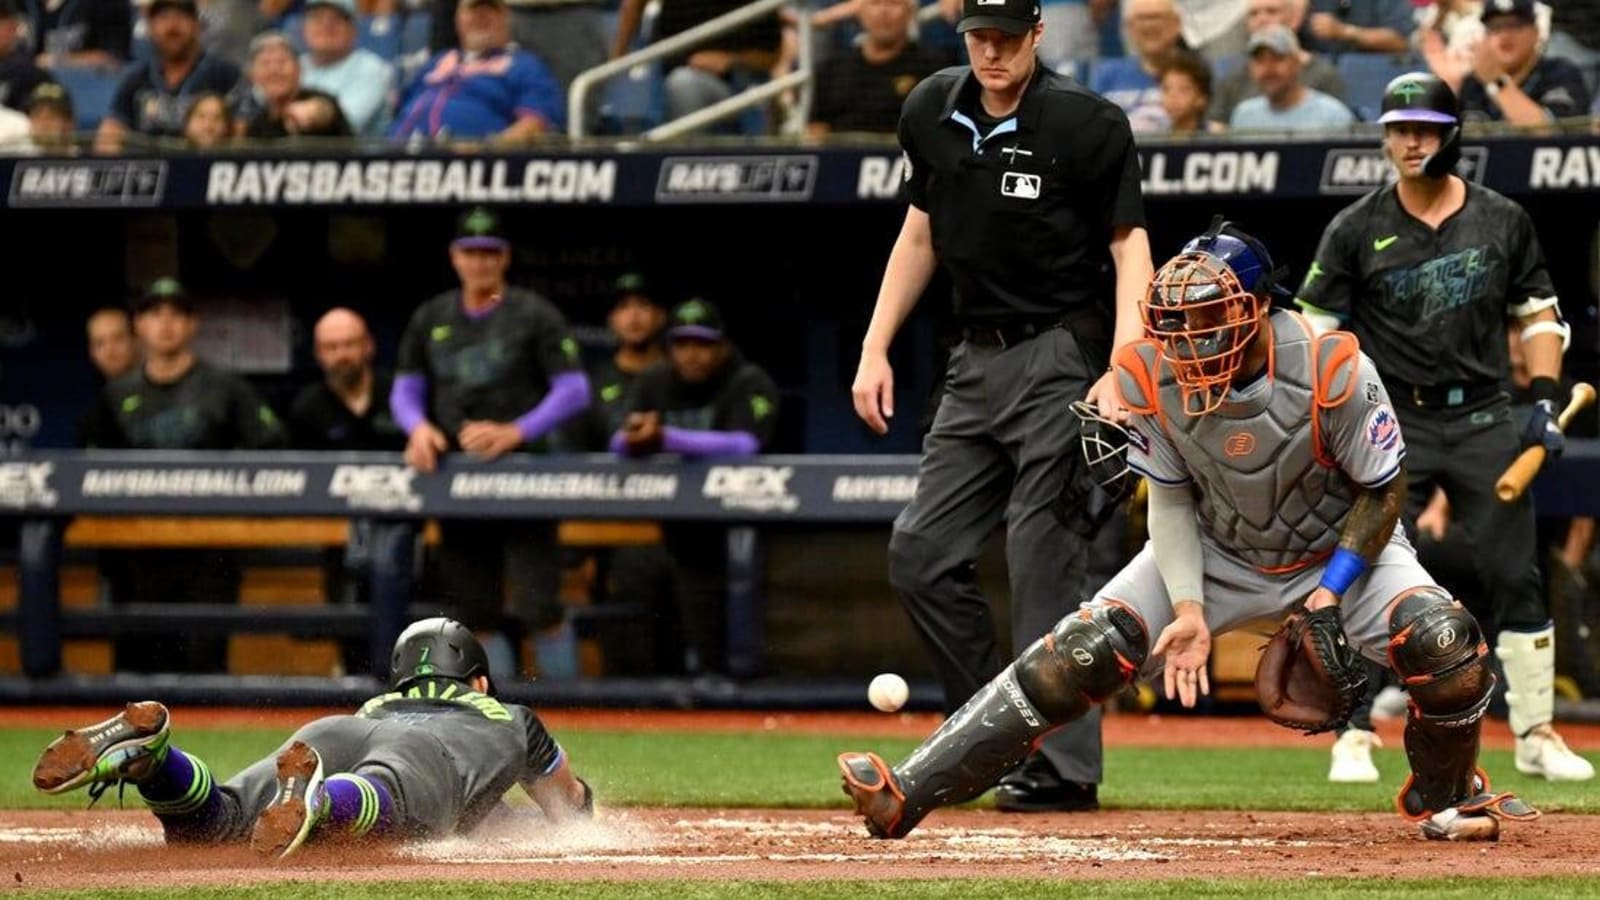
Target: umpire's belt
{"points": [[1442, 396], [1087, 325]]}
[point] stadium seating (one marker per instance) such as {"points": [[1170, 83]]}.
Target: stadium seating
{"points": [[1365, 75], [381, 35]]}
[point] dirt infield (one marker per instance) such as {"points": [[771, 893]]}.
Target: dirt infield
{"points": [[123, 849], [105, 848]]}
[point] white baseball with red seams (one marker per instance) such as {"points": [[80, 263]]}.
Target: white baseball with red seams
{"points": [[888, 692]]}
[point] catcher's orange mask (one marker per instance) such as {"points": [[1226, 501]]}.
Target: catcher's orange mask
{"points": [[1205, 321]]}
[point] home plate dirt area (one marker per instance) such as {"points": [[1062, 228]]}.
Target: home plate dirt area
{"points": [[95, 849]]}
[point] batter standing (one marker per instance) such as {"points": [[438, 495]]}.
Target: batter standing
{"points": [[1275, 470], [430, 758], [1025, 186], [1426, 272]]}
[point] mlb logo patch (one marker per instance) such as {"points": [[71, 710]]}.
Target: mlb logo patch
{"points": [[1373, 394], [1020, 185], [1383, 430]]}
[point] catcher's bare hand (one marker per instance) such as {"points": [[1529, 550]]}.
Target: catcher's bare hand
{"points": [[1187, 645], [1320, 598], [1104, 396]]}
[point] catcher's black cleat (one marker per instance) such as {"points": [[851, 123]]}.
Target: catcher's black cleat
{"points": [[1034, 787], [870, 782]]}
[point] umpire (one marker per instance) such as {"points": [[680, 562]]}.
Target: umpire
{"points": [[1025, 186], [1426, 272]]}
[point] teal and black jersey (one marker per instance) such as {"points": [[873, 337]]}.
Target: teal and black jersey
{"points": [[206, 409], [1430, 306], [492, 746], [492, 366]]}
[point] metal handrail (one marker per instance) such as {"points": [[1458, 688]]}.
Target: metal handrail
{"points": [[801, 77]]}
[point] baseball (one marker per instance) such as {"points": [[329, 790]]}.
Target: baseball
{"points": [[888, 692]]}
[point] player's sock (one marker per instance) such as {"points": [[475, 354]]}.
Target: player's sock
{"points": [[182, 793], [1528, 659], [358, 805]]}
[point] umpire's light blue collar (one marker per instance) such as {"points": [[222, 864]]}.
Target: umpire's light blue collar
{"points": [[965, 94]]}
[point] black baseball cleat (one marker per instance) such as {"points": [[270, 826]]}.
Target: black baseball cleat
{"points": [[128, 747], [1034, 787], [298, 807]]}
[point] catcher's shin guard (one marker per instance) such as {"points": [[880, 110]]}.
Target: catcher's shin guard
{"points": [[1436, 648], [1086, 658], [1529, 662]]}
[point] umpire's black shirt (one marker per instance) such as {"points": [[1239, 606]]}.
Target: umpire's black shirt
{"points": [[1022, 208], [1430, 307]]}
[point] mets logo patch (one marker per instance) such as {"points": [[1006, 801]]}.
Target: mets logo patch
{"points": [[1383, 430]]}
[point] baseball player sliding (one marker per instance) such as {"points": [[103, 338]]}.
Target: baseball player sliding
{"points": [[432, 757], [1274, 461]]}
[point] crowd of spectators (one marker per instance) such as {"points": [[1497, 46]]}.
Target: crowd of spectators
{"points": [[204, 73]]}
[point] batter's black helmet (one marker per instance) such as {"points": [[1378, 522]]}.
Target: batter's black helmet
{"points": [[1424, 97], [436, 648]]}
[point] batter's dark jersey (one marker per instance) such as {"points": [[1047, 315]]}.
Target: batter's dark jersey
{"points": [[741, 397], [493, 367], [1023, 216], [320, 420], [1430, 307], [492, 746], [206, 409]]}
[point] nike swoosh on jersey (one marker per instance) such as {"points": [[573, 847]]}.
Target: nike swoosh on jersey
{"points": [[1382, 244]]}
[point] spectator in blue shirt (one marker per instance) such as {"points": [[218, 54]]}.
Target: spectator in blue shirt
{"points": [[333, 62], [1155, 34], [1285, 103], [153, 98], [488, 89]]}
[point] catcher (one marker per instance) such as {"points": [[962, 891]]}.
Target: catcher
{"points": [[432, 757], [1274, 462]]}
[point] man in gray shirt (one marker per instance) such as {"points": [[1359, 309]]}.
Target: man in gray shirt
{"points": [[1233, 83], [1285, 104]]}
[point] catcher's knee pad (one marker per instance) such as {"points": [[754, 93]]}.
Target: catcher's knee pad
{"points": [[1437, 649], [1089, 655]]}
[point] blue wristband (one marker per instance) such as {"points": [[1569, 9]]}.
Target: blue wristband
{"points": [[1343, 569]]}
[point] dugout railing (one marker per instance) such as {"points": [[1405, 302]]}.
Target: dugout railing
{"points": [[46, 490]]}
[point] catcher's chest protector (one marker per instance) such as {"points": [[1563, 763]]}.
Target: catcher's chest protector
{"points": [[1263, 494]]}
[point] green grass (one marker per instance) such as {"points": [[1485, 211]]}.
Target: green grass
{"points": [[779, 770], [975, 889]]}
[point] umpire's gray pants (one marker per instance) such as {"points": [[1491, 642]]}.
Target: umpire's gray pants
{"points": [[998, 449], [412, 763]]}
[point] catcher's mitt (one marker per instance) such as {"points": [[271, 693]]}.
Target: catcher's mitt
{"points": [[1309, 677]]}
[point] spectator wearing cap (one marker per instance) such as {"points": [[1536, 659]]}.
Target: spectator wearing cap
{"points": [[1512, 79], [706, 400], [1317, 71], [1154, 33], [863, 90], [488, 369], [486, 89], [1285, 103], [19, 75], [50, 120], [177, 401], [334, 62], [153, 97], [278, 105], [1360, 26], [85, 33]]}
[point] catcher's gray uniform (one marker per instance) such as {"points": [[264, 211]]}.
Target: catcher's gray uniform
{"points": [[1274, 471], [447, 752]]}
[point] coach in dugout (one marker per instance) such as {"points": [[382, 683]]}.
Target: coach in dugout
{"points": [[706, 401], [176, 401], [489, 369]]}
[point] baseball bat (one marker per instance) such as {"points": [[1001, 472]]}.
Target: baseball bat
{"points": [[1520, 473]]}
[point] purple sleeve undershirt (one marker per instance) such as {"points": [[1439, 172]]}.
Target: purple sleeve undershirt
{"points": [[568, 396], [408, 401], [690, 442]]}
